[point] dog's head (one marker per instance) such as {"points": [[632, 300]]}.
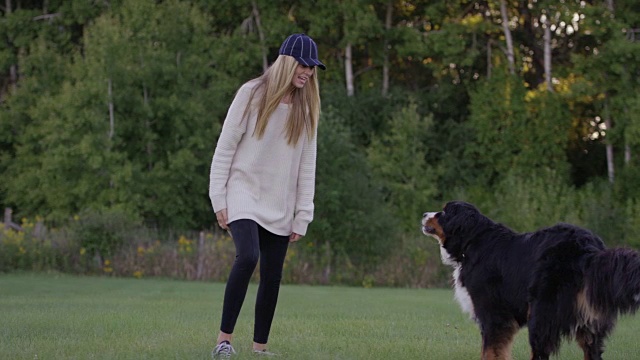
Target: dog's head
{"points": [[453, 227]]}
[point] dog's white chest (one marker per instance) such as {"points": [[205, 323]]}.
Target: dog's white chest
{"points": [[461, 294]]}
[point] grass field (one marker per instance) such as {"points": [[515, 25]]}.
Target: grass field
{"points": [[66, 317]]}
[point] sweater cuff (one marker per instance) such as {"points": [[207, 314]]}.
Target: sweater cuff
{"points": [[219, 202], [300, 227]]}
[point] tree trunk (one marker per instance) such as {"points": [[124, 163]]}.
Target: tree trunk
{"points": [[608, 124], [385, 65], [489, 57], [326, 273], [7, 217], [201, 257], [348, 69], [627, 154], [507, 36], [112, 121], [547, 54], [610, 5], [609, 148], [608, 144], [13, 68], [256, 16]]}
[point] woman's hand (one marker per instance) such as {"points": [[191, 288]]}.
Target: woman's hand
{"points": [[294, 237], [221, 216]]}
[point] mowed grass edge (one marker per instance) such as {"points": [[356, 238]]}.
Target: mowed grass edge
{"points": [[49, 316]]}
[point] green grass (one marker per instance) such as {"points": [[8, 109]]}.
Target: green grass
{"points": [[66, 317]]}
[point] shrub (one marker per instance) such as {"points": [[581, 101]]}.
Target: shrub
{"points": [[102, 232]]}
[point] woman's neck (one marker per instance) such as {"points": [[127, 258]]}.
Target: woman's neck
{"points": [[287, 98]]}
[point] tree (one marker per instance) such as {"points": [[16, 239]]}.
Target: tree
{"points": [[41, 36], [399, 160], [611, 73], [132, 126], [348, 203]]}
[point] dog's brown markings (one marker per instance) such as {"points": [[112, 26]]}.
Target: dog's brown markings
{"points": [[502, 350], [587, 315], [433, 222], [586, 312]]}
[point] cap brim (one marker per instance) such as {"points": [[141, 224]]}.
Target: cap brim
{"points": [[311, 62]]}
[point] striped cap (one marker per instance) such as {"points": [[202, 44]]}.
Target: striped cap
{"points": [[303, 49]]}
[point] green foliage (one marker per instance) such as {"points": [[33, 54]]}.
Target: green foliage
{"points": [[530, 203], [400, 165], [499, 121], [348, 204], [526, 204], [366, 113], [518, 132], [602, 214], [545, 143], [102, 232], [152, 153], [632, 223], [28, 248], [118, 105]]}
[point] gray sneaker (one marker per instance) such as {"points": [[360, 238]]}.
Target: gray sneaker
{"points": [[224, 350]]}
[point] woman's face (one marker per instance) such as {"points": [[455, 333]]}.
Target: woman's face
{"points": [[302, 75]]}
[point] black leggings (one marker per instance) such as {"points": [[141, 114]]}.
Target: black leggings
{"points": [[253, 242]]}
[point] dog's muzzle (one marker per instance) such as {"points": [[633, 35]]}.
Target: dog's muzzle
{"points": [[427, 229]]}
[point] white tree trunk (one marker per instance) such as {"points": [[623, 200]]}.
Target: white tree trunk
{"points": [[608, 123], [608, 144], [547, 54], [13, 68], [112, 120], [489, 57], [507, 36], [348, 69], [627, 154], [385, 65], [256, 16]]}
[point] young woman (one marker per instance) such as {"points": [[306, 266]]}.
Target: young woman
{"points": [[262, 180]]}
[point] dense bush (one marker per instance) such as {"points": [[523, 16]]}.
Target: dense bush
{"points": [[118, 105], [203, 256], [107, 243], [100, 233]]}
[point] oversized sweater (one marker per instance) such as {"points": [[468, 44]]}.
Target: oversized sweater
{"points": [[265, 180]]}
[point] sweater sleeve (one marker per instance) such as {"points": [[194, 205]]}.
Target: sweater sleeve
{"points": [[306, 187], [233, 128]]}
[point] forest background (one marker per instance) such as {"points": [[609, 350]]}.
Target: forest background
{"points": [[110, 111]]}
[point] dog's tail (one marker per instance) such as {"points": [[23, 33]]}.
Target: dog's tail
{"points": [[612, 279]]}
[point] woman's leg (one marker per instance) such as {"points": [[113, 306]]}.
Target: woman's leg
{"points": [[273, 249], [246, 239]]}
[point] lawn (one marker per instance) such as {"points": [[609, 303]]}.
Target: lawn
{"points": [[67, 317]]}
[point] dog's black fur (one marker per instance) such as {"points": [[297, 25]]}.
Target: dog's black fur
{"points": [[561, 281]]}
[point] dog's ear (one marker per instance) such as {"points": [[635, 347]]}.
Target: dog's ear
{"points": [[461, 220], [462, 224]]}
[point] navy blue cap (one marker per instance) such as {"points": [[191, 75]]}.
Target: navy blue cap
{"points": [[302, 48]]}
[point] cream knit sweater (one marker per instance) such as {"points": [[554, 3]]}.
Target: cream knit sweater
{"points": [[266, 180]]}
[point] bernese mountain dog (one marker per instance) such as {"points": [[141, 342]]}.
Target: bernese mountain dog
{"points": [[561, 281]]}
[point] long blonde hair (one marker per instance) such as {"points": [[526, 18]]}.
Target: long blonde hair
{"points": [[273, 85]]}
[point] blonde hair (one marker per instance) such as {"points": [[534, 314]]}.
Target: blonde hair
{"points": [[273, 85]]}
